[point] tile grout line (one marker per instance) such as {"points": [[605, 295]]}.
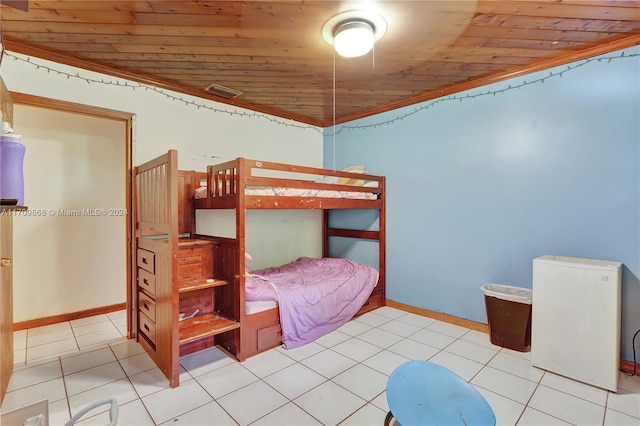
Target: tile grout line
{"points": [[352, 338], [66, 393], [132, 385]]}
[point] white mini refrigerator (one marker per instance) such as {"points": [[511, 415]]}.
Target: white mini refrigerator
{"points": [[575, 324]]}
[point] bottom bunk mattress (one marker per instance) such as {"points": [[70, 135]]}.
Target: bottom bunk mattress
{"points": [[256, 306], [315, 296]]}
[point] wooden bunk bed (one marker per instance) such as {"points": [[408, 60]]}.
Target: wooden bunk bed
{"points": [[178, 271]]}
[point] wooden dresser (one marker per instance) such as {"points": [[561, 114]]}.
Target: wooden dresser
{"points": [[161, 329]]}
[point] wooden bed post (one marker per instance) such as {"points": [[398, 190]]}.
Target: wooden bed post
{"points": [[241, 219], [382, 240], [172, 199], [133, 290], [325, 233]]}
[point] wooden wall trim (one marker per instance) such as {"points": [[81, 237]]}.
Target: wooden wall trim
{"points": [[628, 367], [515, 72], [16, 46], [39, 322], [56, 104], [484, 328], [149, 78]]}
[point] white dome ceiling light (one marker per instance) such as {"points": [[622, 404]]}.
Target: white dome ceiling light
{"points": [[354, 33]]}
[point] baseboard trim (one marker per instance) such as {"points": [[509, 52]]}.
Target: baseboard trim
{"points": [[625, 366], [39, 322], [478, 326]]}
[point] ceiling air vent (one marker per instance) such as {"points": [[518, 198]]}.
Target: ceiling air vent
{"points": [[225, 92]]}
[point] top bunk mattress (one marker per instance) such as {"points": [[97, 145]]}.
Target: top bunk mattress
{"points": [[267, 191]]}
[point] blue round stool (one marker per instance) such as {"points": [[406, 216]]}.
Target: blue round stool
{"points": [[424, 393]]}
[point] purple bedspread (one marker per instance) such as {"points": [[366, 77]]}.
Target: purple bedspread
{"points": [[315, 296]]}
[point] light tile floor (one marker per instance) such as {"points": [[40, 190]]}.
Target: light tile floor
{"points": [[339, 379]]}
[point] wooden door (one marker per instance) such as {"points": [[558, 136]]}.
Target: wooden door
{"points": [[6, 104], [6, 276], [6, 302]]}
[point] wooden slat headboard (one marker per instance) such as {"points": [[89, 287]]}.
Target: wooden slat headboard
{"points": [[152, 208]]}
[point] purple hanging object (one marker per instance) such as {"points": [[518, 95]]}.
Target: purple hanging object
{"points": [[11, 174]]}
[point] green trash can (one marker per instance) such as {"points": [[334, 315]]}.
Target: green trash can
{"points": [[509, 316]]}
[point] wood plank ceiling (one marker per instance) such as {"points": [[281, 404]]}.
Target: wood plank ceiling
{"points": [[274, 53]]}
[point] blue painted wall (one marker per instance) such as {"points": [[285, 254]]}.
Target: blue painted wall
{"points": [[478, 188]]}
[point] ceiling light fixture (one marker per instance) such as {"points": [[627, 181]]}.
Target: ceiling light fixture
{"points": [[353, 38], [354, 33]]}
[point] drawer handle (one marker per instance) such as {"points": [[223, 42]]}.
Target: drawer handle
{"points": [[144, 280], [146, 327], [144, 260], [145, 305]]}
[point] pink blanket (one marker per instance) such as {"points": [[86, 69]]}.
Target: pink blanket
{"points": [[315, 296]]}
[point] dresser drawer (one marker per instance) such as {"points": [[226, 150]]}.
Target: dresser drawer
{"points": [[146, 260], [147, 281], [374, 301], [147, 306], [195, 263], [269, 337], [147, 327], [190, 273]]}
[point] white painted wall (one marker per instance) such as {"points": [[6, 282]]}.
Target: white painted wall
{"points": [[163, 123], [66, 259]]}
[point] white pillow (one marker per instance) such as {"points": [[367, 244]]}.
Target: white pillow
{"points": [[327, 179]]}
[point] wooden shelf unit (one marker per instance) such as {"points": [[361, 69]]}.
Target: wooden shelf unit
{"points": [[201, 285], [206, 325], [194, 288]]}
